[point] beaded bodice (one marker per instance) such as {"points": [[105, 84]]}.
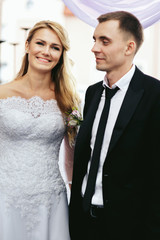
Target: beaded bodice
{"points": [[31, 132]]}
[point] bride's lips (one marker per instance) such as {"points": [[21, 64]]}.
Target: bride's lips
{"points": [[45, 60]]}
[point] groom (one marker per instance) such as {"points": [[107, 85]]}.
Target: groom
{"points": [[116, 178]]}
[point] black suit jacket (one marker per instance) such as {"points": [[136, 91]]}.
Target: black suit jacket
{"points": [[131, 172]]}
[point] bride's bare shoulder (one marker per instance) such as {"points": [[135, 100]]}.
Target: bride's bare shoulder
{"points": [[7, 89]]}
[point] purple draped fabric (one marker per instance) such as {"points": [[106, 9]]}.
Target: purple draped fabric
{"points": [[147, 11]]}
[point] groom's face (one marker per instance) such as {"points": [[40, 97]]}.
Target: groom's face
{"points": [[110, 46]]}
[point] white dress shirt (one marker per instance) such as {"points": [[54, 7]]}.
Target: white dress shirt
{"points": [[115, 106]]}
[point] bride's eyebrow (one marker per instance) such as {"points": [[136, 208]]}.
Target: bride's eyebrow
{"points": [[54, 44]]}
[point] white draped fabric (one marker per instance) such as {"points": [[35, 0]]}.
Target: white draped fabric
{"points": [[147, 11]]}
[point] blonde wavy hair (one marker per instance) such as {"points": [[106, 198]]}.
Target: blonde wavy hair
{"points": [[65, 89]]}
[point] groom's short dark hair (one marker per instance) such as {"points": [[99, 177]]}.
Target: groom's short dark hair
{"points": [[127, 23]]}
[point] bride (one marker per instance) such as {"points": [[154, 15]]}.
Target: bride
{"points": [[33, 107]]}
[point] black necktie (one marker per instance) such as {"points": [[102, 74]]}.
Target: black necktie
{"points": [[97, 150]]}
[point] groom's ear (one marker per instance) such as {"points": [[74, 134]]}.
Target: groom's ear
{"points": [[130, 47]]}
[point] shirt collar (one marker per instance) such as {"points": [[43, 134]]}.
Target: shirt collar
{"points": [[123, 82]]}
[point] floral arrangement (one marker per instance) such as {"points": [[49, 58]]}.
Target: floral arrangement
{"points": [[74, 118]]}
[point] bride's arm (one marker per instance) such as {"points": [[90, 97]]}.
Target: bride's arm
{"points": [[69, 155]]}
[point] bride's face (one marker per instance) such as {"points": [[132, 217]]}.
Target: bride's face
{"points": [[44, 50]]}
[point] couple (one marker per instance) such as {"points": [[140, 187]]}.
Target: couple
{"points": [[115, 185]]}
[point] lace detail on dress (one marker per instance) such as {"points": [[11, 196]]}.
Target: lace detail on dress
{"points": [[35, 105], [31, 132]]}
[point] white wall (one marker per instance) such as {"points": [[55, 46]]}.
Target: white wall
{"points": [[148, 57]]}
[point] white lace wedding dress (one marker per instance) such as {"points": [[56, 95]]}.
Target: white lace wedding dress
{"points": [[33, 200]]}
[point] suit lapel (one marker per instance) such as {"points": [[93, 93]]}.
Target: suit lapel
{"points": [[86, 127], [129, 105]]}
